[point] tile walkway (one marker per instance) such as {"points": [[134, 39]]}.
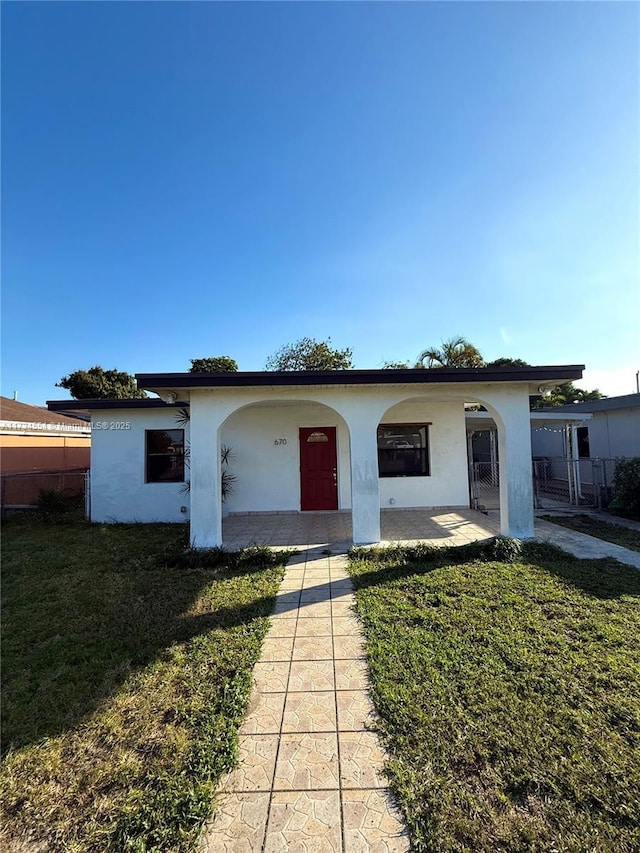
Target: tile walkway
{"points": [[310, 773], [583, 545]]}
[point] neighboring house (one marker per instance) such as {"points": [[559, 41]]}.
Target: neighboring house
{"points": [[35, 439], [611, 429], [354, 440], [40, 450]]}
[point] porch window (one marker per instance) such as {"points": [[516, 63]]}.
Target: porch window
{"points": [[403, 450], [164, 455]]}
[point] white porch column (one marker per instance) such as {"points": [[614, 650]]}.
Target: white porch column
{"points": [[365, 486], [206, 491], [516, 480]]}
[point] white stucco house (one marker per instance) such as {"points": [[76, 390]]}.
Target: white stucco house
{"points": [[309, 441]]}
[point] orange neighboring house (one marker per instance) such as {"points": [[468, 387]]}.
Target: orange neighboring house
{"points": [[40, 449]]}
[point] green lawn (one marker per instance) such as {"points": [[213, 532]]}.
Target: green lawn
{"points": [[509, 696], [601, 529], [126, 671]]}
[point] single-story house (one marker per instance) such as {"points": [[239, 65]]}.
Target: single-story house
{"points": [[354, 440], [610, 429]]}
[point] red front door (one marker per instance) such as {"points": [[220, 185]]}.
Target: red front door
{"points": [[318, 468]]}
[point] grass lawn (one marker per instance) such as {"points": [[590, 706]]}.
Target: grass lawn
{"points": [[607, 530], [126, 669], [509, 696]]}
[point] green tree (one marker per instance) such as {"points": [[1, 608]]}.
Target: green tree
{"points": [[215, 364], [561, 395], [395, 365], [97, 383], [507, 362], [309, 354], [456, 352]]}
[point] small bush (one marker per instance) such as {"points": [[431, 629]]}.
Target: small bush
{"points": [[498, 548], [505, 549], [626, 487], [53, 504], [253, 557]]}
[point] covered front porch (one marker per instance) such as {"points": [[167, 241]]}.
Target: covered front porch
{"points": [[364, 445], [317, 531]]}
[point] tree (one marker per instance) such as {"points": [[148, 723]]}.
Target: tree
{"points": [[395, 365], [561, 395], [215, 364], [309, 354], [97, 383], [456, 352], [507, 362]]}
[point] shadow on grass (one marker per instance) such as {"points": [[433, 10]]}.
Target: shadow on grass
{"points": [[86, 606], [604, 578]]}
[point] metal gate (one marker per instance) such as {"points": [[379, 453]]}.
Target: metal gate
{"points": [[558, 483], [484, 485]]}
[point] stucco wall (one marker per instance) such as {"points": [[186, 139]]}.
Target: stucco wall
{"points": [[266, 461], [268, 470], [448, 483], [118, 488], [615, 433]]}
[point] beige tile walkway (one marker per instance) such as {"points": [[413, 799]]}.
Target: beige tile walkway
{"points": [[310, 772]]}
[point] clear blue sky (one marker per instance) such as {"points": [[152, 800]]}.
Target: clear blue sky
{"points": [[191, 179]]}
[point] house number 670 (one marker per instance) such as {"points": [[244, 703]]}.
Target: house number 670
{"points": [[280, 441]]}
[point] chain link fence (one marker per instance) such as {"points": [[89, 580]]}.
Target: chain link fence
{"points": [[558, 483], [23, 490]]}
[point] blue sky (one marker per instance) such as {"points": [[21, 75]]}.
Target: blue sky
{"points": [[191, 179]]}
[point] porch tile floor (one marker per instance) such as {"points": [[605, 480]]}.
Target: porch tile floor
{"points": [[332, 530], [310, 776]]}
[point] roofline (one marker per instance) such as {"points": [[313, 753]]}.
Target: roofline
{"points": [[39, 427], [384, 376], [606, 404], [70, 405], [537, 415]]}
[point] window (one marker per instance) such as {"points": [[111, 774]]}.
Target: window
{"points": [[165, 455], [403, 450]]}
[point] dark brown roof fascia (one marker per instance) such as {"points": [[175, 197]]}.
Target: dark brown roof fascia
{"points": [[70, 405], [359, 377]]}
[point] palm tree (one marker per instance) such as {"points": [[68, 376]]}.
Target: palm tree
{"points": [[456, 352]]}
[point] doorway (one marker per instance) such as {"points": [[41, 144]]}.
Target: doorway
{"points": [[318, 469]]}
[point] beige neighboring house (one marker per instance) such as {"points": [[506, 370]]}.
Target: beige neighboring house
{"points": [[39, 447]]}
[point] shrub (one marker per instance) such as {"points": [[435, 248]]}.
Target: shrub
{"points": [[626, 487], [252, 557], [55, 504], [499, 548]]}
